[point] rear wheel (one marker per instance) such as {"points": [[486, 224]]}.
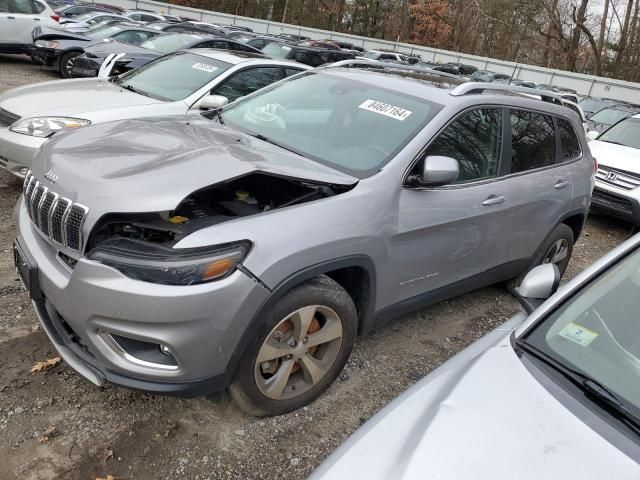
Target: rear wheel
{"points": [[556, 249], [66, 63], [301, 348]]}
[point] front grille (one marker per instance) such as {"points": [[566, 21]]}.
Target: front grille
{"points": [[618, 178], [56, 217], [7, 118], [613, 202]]}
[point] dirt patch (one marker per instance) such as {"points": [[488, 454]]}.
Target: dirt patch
{"points": [[132, 435]]}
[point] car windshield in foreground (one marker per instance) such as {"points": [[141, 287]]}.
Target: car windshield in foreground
{"points": [[625, 133], [609, 116], [596, 335], [173, 77], [334, 119], [103, 31], [170, 43]]}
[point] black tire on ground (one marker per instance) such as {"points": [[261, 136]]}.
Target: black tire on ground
{"points": [[64, 61], [319, 291], [560, 233]]}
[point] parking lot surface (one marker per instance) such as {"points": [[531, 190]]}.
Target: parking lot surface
{"points": [[54, 424]]}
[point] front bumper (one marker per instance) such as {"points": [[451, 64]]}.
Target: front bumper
{"points": [[79, 309], [617, 202], [84, 66], [17, 151], [48, 57]]}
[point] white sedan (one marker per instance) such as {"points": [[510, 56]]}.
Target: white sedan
{"points": [[176, 84], [551, 395]]}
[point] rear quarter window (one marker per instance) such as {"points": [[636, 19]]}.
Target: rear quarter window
{"points": [[533, 141], [568, 140]]}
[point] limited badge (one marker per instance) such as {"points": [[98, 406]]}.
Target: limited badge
{"points": [[578, 334], [385, 109]]}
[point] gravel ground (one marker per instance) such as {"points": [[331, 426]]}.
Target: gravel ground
{"points": [[94, 432]]}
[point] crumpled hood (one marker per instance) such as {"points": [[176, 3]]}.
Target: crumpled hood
{"points": [[616, 156], [76, 97], [147, 165], [105, 47], [480, 418], [49, 33]]}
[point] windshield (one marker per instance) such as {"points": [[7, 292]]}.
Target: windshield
{"points": [[170, 43], [372, 55], [103, 31], [597, 332], [482, 76], [276, 50], [349, 125], [85, 16], [609, 116], [593, 105], [174, 77], [625, 133]]}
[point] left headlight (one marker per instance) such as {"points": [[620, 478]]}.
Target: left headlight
{"points": [[157, 264], [46, 126], [46, 44]]}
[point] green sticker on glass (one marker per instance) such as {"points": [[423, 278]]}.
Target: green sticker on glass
{"points": [[578, 334]]}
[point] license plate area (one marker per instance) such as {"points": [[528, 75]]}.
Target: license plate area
{"points": [[27, 271]]}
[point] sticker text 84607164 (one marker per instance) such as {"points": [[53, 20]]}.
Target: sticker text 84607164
{"points": [[385, 109]]}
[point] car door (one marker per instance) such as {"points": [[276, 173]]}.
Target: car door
{"points": [[246, 81], [540, 186], [449, 234], [17, 22]]}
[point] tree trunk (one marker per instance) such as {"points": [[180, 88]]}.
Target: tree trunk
{"points": [[572, 54], [622, 45]]}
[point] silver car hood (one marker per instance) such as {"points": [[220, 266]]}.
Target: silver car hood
{"points": [[616, 156], [480, 416], [147, 165], [78, 97]]}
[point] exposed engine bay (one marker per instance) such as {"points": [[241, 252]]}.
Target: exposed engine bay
{"points": [[241, 197]]}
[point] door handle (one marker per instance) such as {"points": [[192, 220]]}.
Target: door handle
{"points": [[11, 18], [36, 19], [561, 184], [494, 200]]}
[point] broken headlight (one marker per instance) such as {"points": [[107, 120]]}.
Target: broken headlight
{"points": [[157, 264]]}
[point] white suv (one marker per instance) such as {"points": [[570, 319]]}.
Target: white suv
{"points": [[18, 18]]}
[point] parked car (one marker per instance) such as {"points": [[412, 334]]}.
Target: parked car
{"points": [[398, 193], [89, 19], [18, 19], [71, 11], [602, 120], [147, 16], [292, 38], [190, 27], [384, 55], [592, 105], [488, 76], [261, 41], [88, 64], [307, 55], [552, 393], [58, 49], [460, 69], [618, 153], [172, 85], [346, 45], [327, 45]]}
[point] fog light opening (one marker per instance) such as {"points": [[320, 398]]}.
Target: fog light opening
{"points": [[165, 350]]}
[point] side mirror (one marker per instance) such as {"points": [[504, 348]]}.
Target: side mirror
{"points": [[592, 135], [211, 102], [538, 285], [439, 170]]}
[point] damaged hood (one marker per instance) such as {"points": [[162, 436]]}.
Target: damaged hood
{"points": [[480, 416], [148, 165], [51, 33]]}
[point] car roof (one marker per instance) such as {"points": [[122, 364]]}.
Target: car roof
{"points": [[231, 56]]}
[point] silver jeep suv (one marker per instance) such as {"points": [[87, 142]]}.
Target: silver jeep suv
{"points": [[247, 247]]}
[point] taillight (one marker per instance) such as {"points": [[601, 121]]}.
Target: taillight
{"points": [[56, 17], [595, 165]]}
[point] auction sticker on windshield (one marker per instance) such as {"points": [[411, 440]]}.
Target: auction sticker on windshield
{"points": [[204, 67], [385, 109], [578, 334]]}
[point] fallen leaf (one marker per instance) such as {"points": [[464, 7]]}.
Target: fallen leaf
{"points": [[108, 454], [40, 366]]}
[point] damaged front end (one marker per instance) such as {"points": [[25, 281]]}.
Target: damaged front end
{"points": [[141, 245]]}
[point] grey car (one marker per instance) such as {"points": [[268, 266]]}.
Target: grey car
{"points": [[172, 85], [554, 393], [248, 246]]}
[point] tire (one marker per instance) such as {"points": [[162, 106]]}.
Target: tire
{"points": [[561, 234], [65, 65], [326, 307]]}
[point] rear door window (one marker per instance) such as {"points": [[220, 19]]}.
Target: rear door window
{"points": [[20, 6], [474, 139], [37, 7], [533, 141], [568, 140]]}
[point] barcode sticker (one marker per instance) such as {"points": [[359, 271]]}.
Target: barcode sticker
{"points": [[385, 109], [204, 67]]}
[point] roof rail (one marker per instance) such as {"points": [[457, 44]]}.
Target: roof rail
{"points": [[388, 66], [470, 88]]}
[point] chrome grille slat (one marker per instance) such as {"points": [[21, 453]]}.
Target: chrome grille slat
{"points": [[56, 217], [618, 178]]}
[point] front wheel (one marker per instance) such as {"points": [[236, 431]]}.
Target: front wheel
{"points": [[66, 63], [301, 348]]}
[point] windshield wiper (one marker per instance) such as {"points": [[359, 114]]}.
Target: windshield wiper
{"points": [[615, 143], [135, 90], [259, 136], [590, 386]]}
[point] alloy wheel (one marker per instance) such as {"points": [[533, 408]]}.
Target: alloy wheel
{"points": [[298, 352], [557, 252]]}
